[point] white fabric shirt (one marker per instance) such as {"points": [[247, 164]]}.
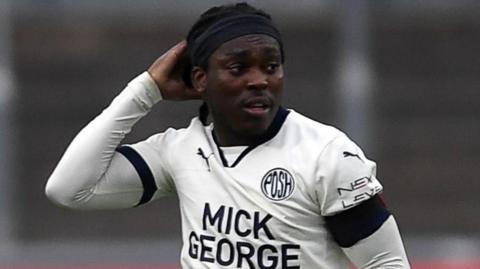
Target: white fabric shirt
{"points": [[265, 212]]}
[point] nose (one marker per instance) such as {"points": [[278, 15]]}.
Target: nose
{"points": [[257, 80]]}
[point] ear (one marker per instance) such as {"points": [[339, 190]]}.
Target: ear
{"points": [[199, 79]]}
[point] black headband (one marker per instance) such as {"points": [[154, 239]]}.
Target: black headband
{"points": [[227, 29]]}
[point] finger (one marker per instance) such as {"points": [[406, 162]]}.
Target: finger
{"points": [[172, 56]]}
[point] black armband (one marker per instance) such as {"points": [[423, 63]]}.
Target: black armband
{"points": [[350, 226]]}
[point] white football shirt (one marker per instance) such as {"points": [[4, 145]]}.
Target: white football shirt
{"points": [[267, 210], [264, 208]]}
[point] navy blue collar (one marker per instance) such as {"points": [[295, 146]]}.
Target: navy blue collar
{"points": [[271, 132]]}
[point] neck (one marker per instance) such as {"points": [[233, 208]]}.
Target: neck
{"points": [[225, 136], [228, 138]]}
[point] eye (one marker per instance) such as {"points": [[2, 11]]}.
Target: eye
{"points": [[236, 69], [273, 67]]}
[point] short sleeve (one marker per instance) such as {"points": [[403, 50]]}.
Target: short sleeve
{"points": [[345, 177], [150, 160]]}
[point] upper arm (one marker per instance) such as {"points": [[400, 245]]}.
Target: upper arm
{"points": [[151, 169], [135, 175], [347, 191], [382, 249], [117, 187], [345, 177], [349, 199]]}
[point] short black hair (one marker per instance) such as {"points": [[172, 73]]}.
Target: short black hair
{"points": [[205, 20]]}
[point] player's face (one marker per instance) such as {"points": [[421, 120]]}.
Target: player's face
{"points": [[243, 87]]}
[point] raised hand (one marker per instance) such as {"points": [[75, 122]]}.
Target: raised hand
{"points": [[167, 76]]}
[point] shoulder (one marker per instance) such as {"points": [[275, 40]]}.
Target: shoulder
{"points": [[173, 136], [302, 128], [161, 148], [329, 142], [173, 139], [330, 149]]}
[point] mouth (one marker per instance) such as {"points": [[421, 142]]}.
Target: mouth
{"points": [[257, 106]]}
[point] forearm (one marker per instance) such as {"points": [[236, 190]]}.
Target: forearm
{"points": [[87, 161], [383, 249]]}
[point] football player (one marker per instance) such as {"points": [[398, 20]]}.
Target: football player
{"points": [[259, 185]]}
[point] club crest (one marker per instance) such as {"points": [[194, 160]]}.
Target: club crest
{"points": [[278, 184]]}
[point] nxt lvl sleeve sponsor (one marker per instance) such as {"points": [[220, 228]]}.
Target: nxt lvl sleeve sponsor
{"points": [[357, 191], [225, 251]]}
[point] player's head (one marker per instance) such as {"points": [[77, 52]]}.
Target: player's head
{"points": [[237, 55]]}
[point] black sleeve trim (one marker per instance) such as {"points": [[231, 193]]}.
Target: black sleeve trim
{"points": [[146, 176], [357, 223]]}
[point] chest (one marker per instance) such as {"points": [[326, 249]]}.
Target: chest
{"points": [[267, 180]]}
